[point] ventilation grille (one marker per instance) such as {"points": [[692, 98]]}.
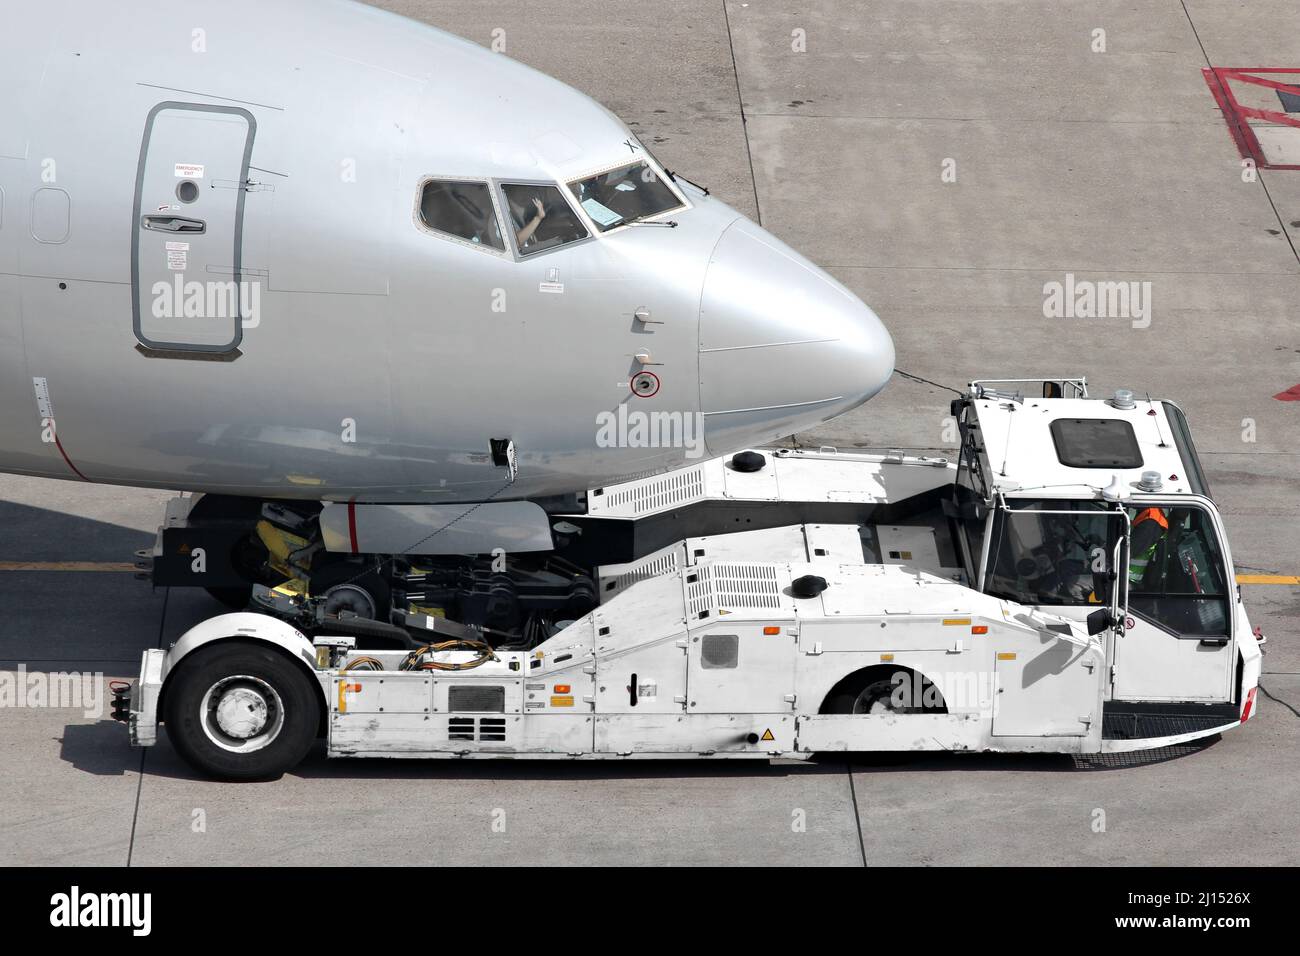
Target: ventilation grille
{"points": [[720, 651], [477, 729], [651, 568], [731, 587], [491, 698], [656, 493], [1143, 726]]}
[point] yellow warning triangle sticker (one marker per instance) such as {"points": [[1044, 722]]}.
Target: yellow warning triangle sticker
{"points": [[767, 735]]}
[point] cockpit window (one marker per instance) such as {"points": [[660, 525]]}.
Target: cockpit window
{"points": [[624, 195], [463, 210], [540, 217]]}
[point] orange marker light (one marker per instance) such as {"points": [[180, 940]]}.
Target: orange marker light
{"points": [[771, 630], [562, 688], [980, 629]]}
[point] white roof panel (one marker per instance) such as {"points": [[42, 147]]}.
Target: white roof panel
{"points": [[1022, 456]]}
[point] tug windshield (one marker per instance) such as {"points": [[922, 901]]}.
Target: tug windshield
{"points": [[1042, 557], [624, 195]]}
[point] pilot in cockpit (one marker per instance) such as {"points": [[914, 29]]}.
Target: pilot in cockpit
{"points": [[524, 225]]}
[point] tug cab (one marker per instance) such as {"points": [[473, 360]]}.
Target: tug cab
{"points": [[1074, 505]]}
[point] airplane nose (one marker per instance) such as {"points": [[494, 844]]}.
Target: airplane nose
{"points": [[783, 346]]}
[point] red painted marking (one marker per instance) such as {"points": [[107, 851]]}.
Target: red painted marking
{"points": [[352, 523], [1247, 145], [1236, 115], [658, 384], [59, 445], [1292, 394]]}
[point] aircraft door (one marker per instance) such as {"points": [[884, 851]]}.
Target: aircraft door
{"points": [[186, 252]]}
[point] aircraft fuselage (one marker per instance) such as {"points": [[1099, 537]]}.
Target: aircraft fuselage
{"points": [[216, 274]]}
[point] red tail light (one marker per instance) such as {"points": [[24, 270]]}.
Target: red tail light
{"points": [[1249, 705]]}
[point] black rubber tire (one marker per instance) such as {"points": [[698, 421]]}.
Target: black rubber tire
{"points": [[873, 687], [225, 507], [198, 672], [367, 579]]}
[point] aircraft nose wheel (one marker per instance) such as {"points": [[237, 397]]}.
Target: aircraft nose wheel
{"points": [[350, 587], [350, 597], [241, 713]]}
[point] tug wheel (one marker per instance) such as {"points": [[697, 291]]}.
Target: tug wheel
{"points": [[879, 691], [239, 711]]}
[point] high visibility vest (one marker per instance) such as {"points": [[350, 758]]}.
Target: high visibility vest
{"points": [[1138, 563], [1152, 514]]}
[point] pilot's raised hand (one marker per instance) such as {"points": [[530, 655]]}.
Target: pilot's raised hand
{"points": [[525, 232]]}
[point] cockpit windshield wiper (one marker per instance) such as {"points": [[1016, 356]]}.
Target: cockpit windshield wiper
{"points": [[676, 176], [667, 223]]}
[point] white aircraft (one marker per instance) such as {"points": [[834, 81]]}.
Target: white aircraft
{"points": [[313, 250], [315, 253]]}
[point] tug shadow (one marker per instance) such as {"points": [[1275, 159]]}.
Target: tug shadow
{"points": [[1024, 762], [102, 749]]}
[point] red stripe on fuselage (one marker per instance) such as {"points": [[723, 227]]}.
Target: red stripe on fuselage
{"points": [[59, 445]]}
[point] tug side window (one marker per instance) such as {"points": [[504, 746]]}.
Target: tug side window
{"points": [[463, 210], [540, 217], [1176, 573]]}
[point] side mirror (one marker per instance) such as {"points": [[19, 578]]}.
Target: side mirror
{"points": [[1052, 390], [1099, 620]]}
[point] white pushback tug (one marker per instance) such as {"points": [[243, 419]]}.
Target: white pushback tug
{"points": [[773, 604]]}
